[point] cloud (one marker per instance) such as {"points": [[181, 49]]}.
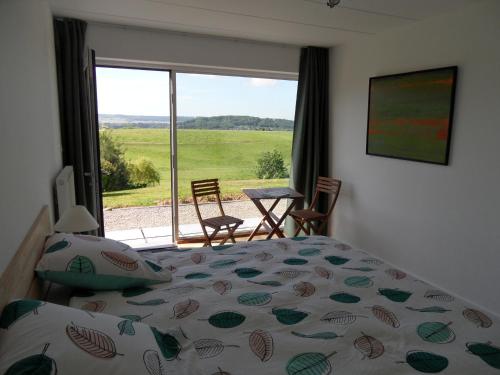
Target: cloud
{"points": [[263, 82]]}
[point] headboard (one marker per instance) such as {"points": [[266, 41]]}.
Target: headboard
{"points": [[19, 279]]}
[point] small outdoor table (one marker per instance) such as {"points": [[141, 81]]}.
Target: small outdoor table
{"points": [[257, 195]]}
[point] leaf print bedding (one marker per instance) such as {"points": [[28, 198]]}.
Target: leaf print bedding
{"points": [[307, 305]]}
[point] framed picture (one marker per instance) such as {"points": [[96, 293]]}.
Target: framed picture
{"points": [[410, 115]]}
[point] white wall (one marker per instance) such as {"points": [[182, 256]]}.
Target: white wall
{"points": [[29, 135], [440, 222], [156, 46]]}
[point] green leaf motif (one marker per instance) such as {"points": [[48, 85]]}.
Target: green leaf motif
{"points": [[436, 332], [247, 273], [359, 282], [361, 269], [60, 245], [318, 336], [38, 364], [309, 364], [223, 263], [221, 247], [197, 275], [295, 261], [266, 283], [226, 319], [81, 264], [151, 302], [134, 318], [298, 238], [344, 297], [395, 295], [133, 292], [487, 352], [431, 309], [155, 267], [18, 310], [426, 362], [168, 344], [289, 316], [126, 327], [337, 261], [255, 299], [309, 252]]}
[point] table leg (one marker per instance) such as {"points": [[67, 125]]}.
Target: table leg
{"points": [[266, 217], [277, 229]]}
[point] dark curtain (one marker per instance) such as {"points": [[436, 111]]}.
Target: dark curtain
{"points": [[77, 110], [311, 136]]}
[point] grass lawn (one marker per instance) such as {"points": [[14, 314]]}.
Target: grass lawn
{"points": [[229, 155]]}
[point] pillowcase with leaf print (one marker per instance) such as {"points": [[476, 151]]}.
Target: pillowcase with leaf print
{"points": [[97, 263], [43, 338]]}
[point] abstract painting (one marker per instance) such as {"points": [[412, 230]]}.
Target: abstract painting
{"points": [[410, 115]]}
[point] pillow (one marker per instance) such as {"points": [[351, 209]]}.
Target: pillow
{"points": [[97, 263], [43, 338]]}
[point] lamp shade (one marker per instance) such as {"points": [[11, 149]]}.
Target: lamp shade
{"points": [[76, 219]]}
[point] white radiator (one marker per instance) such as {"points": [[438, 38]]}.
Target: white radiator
{"points": [[65, 189]]}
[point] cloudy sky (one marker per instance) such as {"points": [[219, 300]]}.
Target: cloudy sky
{"points": [[145, 92]]}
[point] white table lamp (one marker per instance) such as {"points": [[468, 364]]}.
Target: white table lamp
{"points": [[76, 219]]}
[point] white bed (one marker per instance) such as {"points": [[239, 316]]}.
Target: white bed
{"points": [[305, 306]]}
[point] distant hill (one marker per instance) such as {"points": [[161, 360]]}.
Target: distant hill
{"points": [[190, 122]]}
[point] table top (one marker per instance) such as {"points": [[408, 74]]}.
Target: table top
{"points": [[272, 193]]}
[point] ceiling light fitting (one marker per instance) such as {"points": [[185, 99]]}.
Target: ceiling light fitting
{"points": [[332, 3]]}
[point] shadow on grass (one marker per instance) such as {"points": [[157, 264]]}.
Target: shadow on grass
{"points": [[116, 193]]}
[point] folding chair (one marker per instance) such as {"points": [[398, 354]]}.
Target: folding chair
{"points": [[306, 218], [224, 222]]}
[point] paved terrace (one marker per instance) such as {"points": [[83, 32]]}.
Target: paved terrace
{"points": [[150, 226]]}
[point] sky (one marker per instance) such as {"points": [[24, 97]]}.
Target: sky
{"points": [[145, 92]]}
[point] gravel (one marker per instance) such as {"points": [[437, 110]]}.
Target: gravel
{"points": [[157, 216]]}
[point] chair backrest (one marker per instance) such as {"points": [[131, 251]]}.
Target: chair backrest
{"points": [[328, 186], [202, 188]]}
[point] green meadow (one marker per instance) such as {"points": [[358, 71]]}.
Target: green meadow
{"points": [[230, 155]]}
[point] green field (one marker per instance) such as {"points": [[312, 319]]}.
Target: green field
{"points": [[229, 155]]}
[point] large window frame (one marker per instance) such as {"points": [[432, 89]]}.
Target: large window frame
{"points": [[173, 69]]}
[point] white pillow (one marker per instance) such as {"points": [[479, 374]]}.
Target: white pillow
{"points": [[43, 338], [97, 263]]}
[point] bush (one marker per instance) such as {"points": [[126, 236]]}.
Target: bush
{"points": [[144, 173], [114, 167], [271, 165]]}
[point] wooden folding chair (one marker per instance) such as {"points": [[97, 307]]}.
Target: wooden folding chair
{"points": [[224, 222], [307, 218]]}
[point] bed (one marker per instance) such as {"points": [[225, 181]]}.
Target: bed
{"points": [[300, 306], [305, 306]]}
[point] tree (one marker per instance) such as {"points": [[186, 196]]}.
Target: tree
{"points": [[144, 173], [114, 167], [271, 165]]}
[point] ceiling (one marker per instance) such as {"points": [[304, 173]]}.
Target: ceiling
{"points": [[297, 22]]}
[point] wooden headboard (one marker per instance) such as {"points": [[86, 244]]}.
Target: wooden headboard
{"points": [[19, 278]]}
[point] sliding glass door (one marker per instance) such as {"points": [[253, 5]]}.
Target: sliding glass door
{"points": [[159, 130], [134, 132]]}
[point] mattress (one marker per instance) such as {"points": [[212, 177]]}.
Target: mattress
{"points": [[305, 306]]}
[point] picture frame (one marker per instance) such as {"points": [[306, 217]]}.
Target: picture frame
{"points": [[410, 115]]}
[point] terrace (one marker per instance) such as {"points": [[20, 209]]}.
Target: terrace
{"points": [[151, 226]]}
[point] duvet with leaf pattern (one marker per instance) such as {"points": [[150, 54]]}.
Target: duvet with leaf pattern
{"points": [[304, 306]]}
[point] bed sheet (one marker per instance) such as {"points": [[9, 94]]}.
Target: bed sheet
{"points": [[305, 306]]}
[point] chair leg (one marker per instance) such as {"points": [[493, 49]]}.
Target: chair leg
{"points": [[230, 234], [300, 224], [207, 237], [321, 226], [212, 236]]}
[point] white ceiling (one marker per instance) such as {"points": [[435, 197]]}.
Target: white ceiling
{"points": [[298, 22]]}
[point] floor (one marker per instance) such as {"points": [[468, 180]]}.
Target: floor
{"points": [[159, 236]]}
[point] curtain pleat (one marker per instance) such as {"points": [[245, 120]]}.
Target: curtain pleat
{"points": [[78, 125], [310, 148]]}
